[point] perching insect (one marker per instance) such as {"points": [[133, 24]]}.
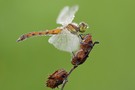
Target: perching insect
{"points": [[66, 37]]}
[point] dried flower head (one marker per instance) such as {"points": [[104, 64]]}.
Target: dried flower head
{"points": [[85, 48], [56, 78]]}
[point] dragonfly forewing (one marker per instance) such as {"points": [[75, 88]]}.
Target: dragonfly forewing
{"points": [[65, 41]]}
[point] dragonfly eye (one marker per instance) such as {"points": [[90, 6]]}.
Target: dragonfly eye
{"points": [[82, 27]]}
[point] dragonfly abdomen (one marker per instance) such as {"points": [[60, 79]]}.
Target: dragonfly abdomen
{"points": [[40, 33]]}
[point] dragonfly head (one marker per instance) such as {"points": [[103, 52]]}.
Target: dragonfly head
{"points": [[82, 27]]}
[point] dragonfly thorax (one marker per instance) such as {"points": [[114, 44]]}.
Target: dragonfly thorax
{"points": [[73, 28]]}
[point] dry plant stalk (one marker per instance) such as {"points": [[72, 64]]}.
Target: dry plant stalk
{"points": [[78, 58]]}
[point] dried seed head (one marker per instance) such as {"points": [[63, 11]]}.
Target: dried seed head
{"points": [[56, 78], [85, 48]]}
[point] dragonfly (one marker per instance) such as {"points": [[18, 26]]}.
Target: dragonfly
{"points": [[65, 37]]}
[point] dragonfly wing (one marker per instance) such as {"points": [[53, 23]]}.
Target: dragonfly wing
{"points": [[65, 41], [67, 15]]}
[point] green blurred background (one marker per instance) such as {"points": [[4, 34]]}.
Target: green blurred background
{"points": [[26, 65]]}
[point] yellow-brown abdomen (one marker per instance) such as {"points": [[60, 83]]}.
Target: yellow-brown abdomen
{"points": [[40, 33]]}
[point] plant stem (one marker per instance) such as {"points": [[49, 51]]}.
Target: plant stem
{"points": [[66, 79], [75, 66]]}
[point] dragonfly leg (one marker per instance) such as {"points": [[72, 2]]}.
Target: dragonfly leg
{"points": [[80, 35], [73, 54]]}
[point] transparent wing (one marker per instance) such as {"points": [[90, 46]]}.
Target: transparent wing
{"points": [[65, 41], [67, 15]]}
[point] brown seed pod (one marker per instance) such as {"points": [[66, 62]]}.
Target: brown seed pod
{"points": [[56, 78], [85, 47]]}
